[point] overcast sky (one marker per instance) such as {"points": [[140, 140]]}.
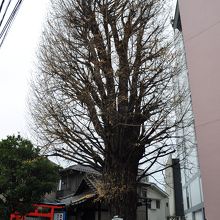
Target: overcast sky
{"points": [[17, 57], [16, 66]]}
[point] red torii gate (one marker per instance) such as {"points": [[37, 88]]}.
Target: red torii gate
{"points": [[43, 210]]}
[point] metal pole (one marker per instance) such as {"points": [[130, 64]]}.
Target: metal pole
{"points": [[99, 211], [146, 206]]}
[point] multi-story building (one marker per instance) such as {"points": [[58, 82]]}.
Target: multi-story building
{"points": [[197, 24], [187, 145]]}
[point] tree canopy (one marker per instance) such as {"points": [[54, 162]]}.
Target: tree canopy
{"points": [[25, 176], [103, 95]]}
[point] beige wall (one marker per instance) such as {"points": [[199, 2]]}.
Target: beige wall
{"points": [[201, 30]]}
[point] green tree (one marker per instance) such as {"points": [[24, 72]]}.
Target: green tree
{"points": [[25, 176]]}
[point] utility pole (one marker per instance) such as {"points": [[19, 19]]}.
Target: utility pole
{"points": [[147, 203], [146, 207]]}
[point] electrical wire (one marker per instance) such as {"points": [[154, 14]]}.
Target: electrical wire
{"points": [[8, 12]]}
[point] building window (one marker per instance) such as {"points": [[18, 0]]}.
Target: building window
{"points": [[187, 198], [64, 184], [144, 193], [149, 203], [59, 187], [158, 204], [198, 215]]}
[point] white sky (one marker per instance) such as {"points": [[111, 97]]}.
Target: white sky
{"points": [[16, 65]]}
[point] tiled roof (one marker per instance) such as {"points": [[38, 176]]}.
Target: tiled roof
{"points": [[82, 168], [74, 200]]}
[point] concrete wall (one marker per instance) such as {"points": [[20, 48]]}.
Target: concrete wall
{"points": [[201, 30]]}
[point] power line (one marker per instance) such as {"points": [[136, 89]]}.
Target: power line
{"points": [[8, 11]]}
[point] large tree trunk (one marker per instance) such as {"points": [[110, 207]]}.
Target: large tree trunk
{"points": [[119, 183], [125, 205], [119, 190]]}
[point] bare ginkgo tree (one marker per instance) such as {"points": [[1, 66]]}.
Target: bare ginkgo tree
{"points": [[103, 95]]}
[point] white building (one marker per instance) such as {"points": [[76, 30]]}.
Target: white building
{"points": [[158, 204]]}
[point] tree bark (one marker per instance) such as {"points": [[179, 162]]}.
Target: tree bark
{"points": [[120, 190], [126, 207]]}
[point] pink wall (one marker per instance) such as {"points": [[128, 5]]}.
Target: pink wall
{"points": [[201, 30]]}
